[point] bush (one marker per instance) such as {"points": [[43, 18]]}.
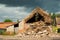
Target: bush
{"points": [[7, 20], [55, 28], [2, 32], [58, 30]]}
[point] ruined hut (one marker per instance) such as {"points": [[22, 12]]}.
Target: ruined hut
{"points": [[37, 18]]}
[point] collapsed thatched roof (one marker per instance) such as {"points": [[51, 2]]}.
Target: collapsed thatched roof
{"points": [[46, 16]]}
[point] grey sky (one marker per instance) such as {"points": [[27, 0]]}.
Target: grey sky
{"points": [[18, 9]]}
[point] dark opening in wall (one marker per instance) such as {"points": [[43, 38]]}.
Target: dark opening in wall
{"points": [[35, 18], [16, 25], [47, 24]]}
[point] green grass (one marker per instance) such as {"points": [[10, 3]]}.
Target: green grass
{"points": [[54, 28], [5, 34], [8, 34]]}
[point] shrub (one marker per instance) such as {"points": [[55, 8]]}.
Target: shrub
{"points": [[7, 20], [55, 28]]}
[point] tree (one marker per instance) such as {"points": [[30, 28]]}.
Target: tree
{"points": [[17, 20], [54, 19], [7, 20]]}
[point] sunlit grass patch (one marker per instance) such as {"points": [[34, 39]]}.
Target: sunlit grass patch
{"points": [[55, 28]]}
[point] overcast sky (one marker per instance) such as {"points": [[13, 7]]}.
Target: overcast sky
{"points": [[18, 9]]}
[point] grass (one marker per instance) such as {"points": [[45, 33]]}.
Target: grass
{"points": [[54, 28], [6, 34]]}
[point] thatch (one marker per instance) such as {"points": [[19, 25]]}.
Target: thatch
{"points": [[46, 15], [36, 24]]}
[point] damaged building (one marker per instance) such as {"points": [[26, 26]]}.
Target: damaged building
{"points": [[36, 21]]}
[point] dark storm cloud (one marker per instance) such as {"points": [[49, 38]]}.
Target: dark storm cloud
{"points": [[51, 5], [20, 2]]}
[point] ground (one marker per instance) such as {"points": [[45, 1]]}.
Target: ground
{"points": [[52, 36], [28, 37]]}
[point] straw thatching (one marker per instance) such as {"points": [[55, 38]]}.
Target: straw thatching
{"points": [[43, 19], [46, 16]]}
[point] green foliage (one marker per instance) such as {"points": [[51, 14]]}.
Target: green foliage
{"points": [[18, 21], [53, 16], [54, 19], [7, 20], [55, 28], [2, 32]]}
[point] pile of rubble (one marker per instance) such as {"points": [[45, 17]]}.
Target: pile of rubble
{"points": [[37, 28], [32, 33]]}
